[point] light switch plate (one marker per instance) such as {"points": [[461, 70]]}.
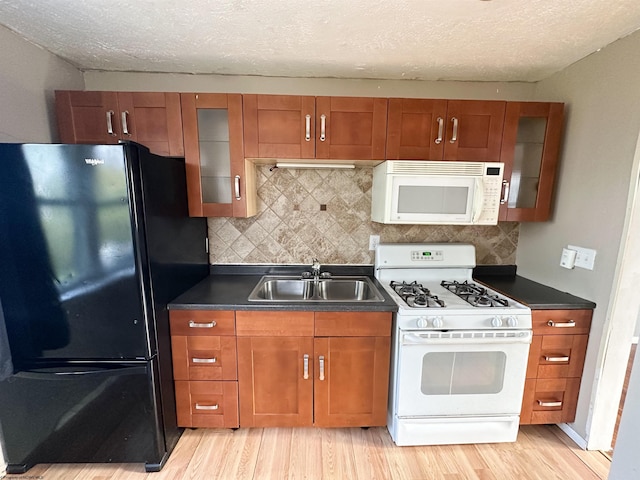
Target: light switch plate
{"points": [[585, 257], [568, 258]]}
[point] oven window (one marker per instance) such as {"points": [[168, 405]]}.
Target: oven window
{"points": [[462, 373]]}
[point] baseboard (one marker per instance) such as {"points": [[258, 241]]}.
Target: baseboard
{"points": [[573, 435]]}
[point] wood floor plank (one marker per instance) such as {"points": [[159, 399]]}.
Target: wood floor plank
{"points": [[542, 452], [305, 460]]}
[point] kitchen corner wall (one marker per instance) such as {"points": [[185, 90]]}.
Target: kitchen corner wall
{"points": [[325, 214]]}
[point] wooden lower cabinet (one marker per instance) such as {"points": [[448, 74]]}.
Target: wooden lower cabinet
{"points": [[203, 344], [290, 375], [556, 361], [207, 404], [351, 385], [274, 391]]}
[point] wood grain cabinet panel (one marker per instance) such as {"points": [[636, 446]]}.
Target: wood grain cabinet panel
{"points": [[220, 182], [554, 369], [287, 377], [351, 381], [530, 152], [207, 404], [205, 371], [425, 129], [303, 127], [275, 388], [150, 118], [204, 358]]}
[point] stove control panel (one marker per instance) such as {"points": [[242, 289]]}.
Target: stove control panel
{"points": [[427, 255]]}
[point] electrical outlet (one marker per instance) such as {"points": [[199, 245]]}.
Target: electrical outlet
{"points": [[585, 257], [374, 240]]}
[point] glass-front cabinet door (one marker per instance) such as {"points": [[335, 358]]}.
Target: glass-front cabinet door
{"points": [[220, 183], [530, 148]]}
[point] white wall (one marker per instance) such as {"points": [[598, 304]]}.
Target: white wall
{"points": [[28, 77], [307, 86], [626, 461], [597, 164]]}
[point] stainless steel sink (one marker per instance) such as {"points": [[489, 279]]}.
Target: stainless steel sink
{"points": [[295, 289]]}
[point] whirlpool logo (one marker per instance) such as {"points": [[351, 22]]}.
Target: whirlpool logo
{"points": [[94, 161]]}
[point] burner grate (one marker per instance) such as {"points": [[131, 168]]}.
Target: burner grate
{"points": [[474, 294], [415, 295]]}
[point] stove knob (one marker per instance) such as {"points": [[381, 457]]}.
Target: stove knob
{"points": [[422, 322], [496, 322], [437, 322], [512, 321]]}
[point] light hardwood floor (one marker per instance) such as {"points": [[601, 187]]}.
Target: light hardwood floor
{"points": [[541, 452]]}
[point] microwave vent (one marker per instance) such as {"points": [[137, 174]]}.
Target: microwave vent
{"points": [[472, 169]]}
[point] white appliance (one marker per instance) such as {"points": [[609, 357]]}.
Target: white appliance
{"points": [[437, 193], [459, 360]]}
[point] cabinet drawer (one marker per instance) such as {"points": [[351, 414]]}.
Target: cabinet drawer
{"points": [[353, 324], [204, 358], [207, 404], [550, 400], [557, 356], [274, 324], [561, 322], [202, 322]]}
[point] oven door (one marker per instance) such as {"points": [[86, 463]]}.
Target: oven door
{"points": [[461, 373]]}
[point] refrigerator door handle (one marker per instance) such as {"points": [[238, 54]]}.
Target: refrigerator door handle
{"points": [[107, 372]]}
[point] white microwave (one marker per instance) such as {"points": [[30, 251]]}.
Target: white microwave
{"points": [[436, 193]]}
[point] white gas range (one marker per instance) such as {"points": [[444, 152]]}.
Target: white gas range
{"points": [[459, 352]]}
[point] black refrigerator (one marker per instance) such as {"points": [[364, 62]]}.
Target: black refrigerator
{"points": [[95, 240]]}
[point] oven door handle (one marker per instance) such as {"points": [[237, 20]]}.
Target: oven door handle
{"points": [[477, 337]]}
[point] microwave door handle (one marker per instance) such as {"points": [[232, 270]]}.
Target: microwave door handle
{"points": [[478, 200]]}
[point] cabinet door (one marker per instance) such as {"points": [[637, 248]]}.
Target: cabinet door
{"points": [[87, 117], [351, 381], [416, 129], [220, 183], [530, 148], [275, 381], [152, 119], [279, 126], [351, 128], [473, 130]]}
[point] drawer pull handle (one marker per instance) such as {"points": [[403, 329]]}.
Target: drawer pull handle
{"points": [[207, 407], [193, 324], [556, 359], [204, 360], [321, 362], [542, 403], [568, 324], [305, 362]]}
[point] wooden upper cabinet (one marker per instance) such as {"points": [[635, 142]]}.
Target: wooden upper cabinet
{"points": [[220, 182], [423, 129], [279, 126], [344, 128], [150, 118], [530, 149], [351, 128]]}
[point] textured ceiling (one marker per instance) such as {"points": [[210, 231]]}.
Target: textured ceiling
{"points": [[499, 40]]}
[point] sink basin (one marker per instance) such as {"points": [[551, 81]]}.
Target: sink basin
{"points": [[295, 289]]}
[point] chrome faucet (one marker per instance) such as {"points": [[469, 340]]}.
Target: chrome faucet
{"points": [[315, 269]]}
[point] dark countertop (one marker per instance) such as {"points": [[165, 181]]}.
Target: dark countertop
{"points": [[228, 287], [536, 295]]}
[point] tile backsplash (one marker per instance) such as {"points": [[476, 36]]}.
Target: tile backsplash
{"points": [[325, 214]]}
